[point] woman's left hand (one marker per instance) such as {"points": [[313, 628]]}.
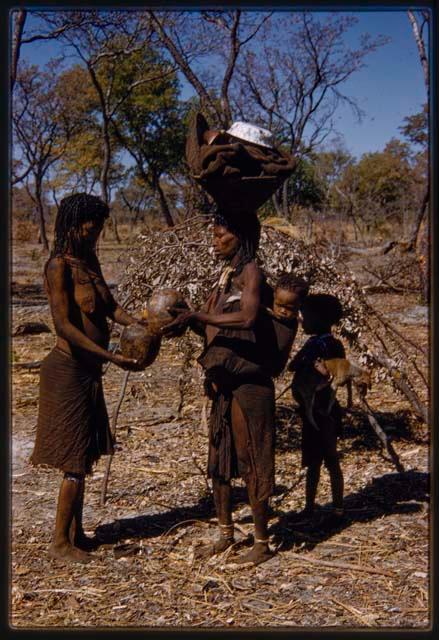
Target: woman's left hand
{"points": [[182, 320]]}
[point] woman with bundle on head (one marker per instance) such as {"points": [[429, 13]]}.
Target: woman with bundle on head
{"points": [[73, 428], [241, 432]]}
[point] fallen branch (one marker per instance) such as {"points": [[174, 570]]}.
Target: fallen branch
{"points": [[342, 565], [360, 616], [373, 251], [283, 391], [31, 328], [381, 434], [27, 365], [400, 381]]}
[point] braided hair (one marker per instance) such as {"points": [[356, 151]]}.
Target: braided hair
{"points": [[291, 282], [73, 211], [247, 229]]}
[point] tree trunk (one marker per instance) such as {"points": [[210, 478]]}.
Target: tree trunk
{"points": [[16, 43], [276, 204], [421, 47], [423, 259], [420, 217], [40, 211], [163, 204], [285, 200]]}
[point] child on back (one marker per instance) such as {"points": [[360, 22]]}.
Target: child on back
{"points": [[320, 312], [267, 350]]}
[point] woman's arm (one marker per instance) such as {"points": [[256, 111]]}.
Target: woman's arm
{"points": [[114, 310], [245, 318], [59, 306], [119, 315]]}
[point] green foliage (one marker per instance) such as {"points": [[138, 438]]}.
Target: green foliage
{"points": [[415, 128], [384, 176], [82, 162], [305, 187], [150, 120]]}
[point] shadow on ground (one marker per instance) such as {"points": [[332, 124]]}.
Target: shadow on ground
{"points": [[154, 525], [391, 493], [356, 432]]}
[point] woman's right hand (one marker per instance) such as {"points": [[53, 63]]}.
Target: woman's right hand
{"points": [[128, 364]]}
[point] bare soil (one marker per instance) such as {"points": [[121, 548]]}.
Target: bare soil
{"points": [[369, 571]]}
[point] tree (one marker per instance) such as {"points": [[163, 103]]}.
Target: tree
{"points": [[101, 40], [420, 232], [135, 197], [19, 21], [305, 189], [41, 131], [191, 38], [293, 85], [150, 122], [80, 167], [380, 188]]}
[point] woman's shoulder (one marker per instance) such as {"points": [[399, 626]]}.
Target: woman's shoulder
{"points": [[253, 270], [56, 269], [55, 264]]}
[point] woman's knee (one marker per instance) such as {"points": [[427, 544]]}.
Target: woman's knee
{"points": [[74, 477]]}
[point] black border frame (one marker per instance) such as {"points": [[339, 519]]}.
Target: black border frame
{"points": [[5, 324]]}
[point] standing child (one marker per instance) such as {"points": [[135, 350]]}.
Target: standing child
{"points": [[320, 312]]}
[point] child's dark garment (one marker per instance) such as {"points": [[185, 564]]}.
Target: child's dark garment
{"points": [[318, 446]]}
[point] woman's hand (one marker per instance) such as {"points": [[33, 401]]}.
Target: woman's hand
{"points": [[180, 322], [128, 364]]}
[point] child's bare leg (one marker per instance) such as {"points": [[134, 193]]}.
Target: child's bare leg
{"points": [[61, 547], [337, 485], [312, 482]]}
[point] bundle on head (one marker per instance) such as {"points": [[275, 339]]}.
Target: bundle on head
{"points": [[237, 172]]}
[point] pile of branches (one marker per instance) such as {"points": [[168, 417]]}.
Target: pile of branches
{"points": [[182, 257]]}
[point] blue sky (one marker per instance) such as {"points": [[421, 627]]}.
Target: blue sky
{"points": [[390, 87]]}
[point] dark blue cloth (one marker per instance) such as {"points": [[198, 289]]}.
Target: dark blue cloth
{"points": [[324, 346]]}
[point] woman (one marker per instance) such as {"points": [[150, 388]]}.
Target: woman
{"points": [[73, 428], [241, 434]]}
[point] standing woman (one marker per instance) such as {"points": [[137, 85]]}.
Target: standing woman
{"points": [[73, 428], [241, 432]]}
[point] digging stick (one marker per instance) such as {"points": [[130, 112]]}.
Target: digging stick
{"points": [[283, 391], [113, 433]]}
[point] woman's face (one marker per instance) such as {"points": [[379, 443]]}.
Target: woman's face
{"points": [[90, 231], [225, 243]]}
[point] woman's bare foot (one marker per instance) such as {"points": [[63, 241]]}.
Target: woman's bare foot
{"points": [[259, 553], [85, 543], [69, 553], [219, 546]]}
